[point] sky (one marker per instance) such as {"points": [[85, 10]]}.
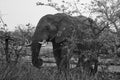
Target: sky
{"points": [[15, 12]]}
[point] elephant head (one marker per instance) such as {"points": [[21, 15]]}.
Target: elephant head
{"points": [[46, 30]]}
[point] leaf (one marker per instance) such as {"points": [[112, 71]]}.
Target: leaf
{"points": [[39, 3], [49, 0]]}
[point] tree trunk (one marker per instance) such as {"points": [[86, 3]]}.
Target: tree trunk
{"points": [[7, 50]]}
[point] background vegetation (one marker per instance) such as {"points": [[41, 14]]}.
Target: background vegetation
{"points": [[15, 54]]}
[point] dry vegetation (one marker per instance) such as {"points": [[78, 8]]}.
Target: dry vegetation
{"points": [[24, 70], [19, 66]]}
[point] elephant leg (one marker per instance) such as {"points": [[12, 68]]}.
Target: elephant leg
{"points": [[35, 48], [59, 52], [65, 58], [61, 59], [58, 58], [80, 61], [94, 66], [64, 63]]}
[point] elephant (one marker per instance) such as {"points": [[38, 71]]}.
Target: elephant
{"points": [[53, 28]]}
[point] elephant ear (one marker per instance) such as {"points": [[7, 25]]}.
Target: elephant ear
{"points": [[57, 20], [63, 26], [64, 34]]}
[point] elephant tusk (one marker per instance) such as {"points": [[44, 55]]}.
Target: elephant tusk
{"points": [[43, 42]]}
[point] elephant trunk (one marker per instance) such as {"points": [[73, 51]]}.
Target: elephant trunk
{"points": [[35, 48]]}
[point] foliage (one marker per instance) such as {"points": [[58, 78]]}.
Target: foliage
{"points": [[107, 12], [13, 47], [24, 33], [69, 7], [17, 41], [106, 33]]}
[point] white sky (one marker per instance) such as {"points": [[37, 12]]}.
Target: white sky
{"points": [[15, 12]]}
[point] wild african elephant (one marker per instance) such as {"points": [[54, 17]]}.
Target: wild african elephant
{"points": [[54, 28]]}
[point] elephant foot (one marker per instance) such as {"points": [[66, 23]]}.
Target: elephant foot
{"points": [[37, 63]]}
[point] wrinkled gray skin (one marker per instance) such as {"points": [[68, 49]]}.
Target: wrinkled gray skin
{"points": [[52, 28]]}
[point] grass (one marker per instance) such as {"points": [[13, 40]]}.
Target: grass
{"points": [[25, 71]]}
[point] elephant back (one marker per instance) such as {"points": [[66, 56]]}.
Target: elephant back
{"points": [[69, 25]]}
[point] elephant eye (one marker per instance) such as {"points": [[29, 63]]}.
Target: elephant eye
{"points": [[46, 28]]}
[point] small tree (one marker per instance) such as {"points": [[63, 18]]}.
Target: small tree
{"points": [[107, 11], [24, 32], [69, 7]]}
